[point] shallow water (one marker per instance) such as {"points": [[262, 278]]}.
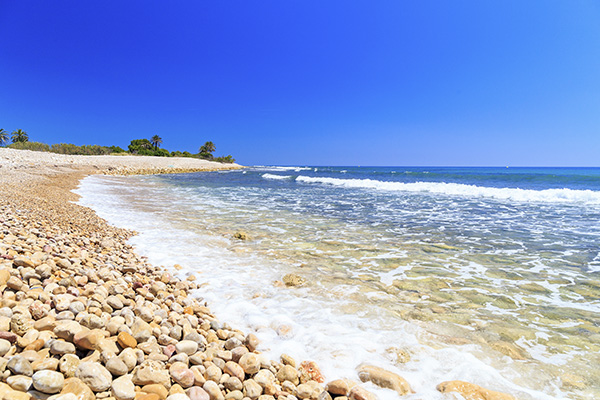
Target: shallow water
{"points": [[487, 275]]}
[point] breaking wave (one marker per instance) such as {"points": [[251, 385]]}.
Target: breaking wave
{"points": [[457, 189]]}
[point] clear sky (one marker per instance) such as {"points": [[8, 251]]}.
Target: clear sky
{"points": [[311, 82]]}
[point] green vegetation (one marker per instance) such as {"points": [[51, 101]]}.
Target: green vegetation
{"points": [[225, 159], [86, 150], [19, 136], [34, 146], [3, 137], [206, 150], [181, 154], [145, 147], [156, 141]]}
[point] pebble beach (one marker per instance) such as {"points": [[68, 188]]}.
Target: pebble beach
{"points": [[82, 316]]}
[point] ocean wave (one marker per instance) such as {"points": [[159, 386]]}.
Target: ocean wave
{"points": [[458, 189], [272, 176], [277, 168]]}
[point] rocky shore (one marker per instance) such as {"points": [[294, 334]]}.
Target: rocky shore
{"points": [[83, 317]]}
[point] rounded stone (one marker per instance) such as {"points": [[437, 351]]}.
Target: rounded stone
{"points": [[234, 369], [252, 389], [213, 390], [60, 347], [213, 373], [114, 302], [123, 389], [117, 366], [250, 363], [129, 357], [288, 373], [94, 375], [141, 330], [188, 347], [18, 365], [4, 347], [47, 381], [150, 372], [182, 374], [233, 383], [264, 378], [197, 393], [78, 388], [126, 340], [21, 383], [68, 365], [178, 396]]}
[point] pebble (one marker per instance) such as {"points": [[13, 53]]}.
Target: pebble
{"points": [[19, 382], [5, 346], [94, 375], [234, 370], [182, 374], [252, 389], [213, 390], [117, 366], [47, 381], [288, 373], [250, 363], [18, 365], [384, 379], [126, 340], [150, 372], [197, 393], [123, 388], [68, 365], [60, 347], [188, 347]]}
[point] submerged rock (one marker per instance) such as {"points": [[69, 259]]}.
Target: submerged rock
{"points": [[293, 280], [241, 235], [471, 391], [384, 379]]}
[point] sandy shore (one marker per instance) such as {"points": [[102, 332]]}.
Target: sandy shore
{"points": [[82, 316]]}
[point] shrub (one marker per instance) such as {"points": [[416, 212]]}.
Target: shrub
{"points": [[225, 159], [86, 150], [116, 149], [143, 147], [34, 146], [140, 146]]}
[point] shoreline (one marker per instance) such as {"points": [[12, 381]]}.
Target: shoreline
{"points": [[78, 304]]}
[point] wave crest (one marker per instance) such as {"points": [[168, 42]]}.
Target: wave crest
{"points": [[458, 189], [272, 176]]}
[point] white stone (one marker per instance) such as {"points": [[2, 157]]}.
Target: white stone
{"points": [[47, 381]]}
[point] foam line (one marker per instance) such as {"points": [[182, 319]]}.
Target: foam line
{"points": [[457, 189]]}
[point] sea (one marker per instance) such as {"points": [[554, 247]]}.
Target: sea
{"points": [[486, 275]]}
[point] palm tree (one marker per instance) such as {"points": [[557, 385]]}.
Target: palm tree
{"points": [[156, 141], [208, 147], [3, 137], [206, 150], [19, 136]]}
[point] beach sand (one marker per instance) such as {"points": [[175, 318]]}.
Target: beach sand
{"points": [[82, 316]]}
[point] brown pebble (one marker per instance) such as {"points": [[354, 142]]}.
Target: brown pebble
{"points": [[126, 340], [36, 345]]}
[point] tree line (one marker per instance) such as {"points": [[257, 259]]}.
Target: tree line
{"points": [[145, 147]]}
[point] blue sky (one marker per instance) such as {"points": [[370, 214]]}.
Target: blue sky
{"points": [[311, 82]]}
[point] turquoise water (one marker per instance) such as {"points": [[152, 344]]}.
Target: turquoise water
{"points": [[490, 275]]}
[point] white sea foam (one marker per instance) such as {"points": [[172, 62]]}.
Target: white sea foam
{"points": [[273, 176], [278, 168], [457, 189]]}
